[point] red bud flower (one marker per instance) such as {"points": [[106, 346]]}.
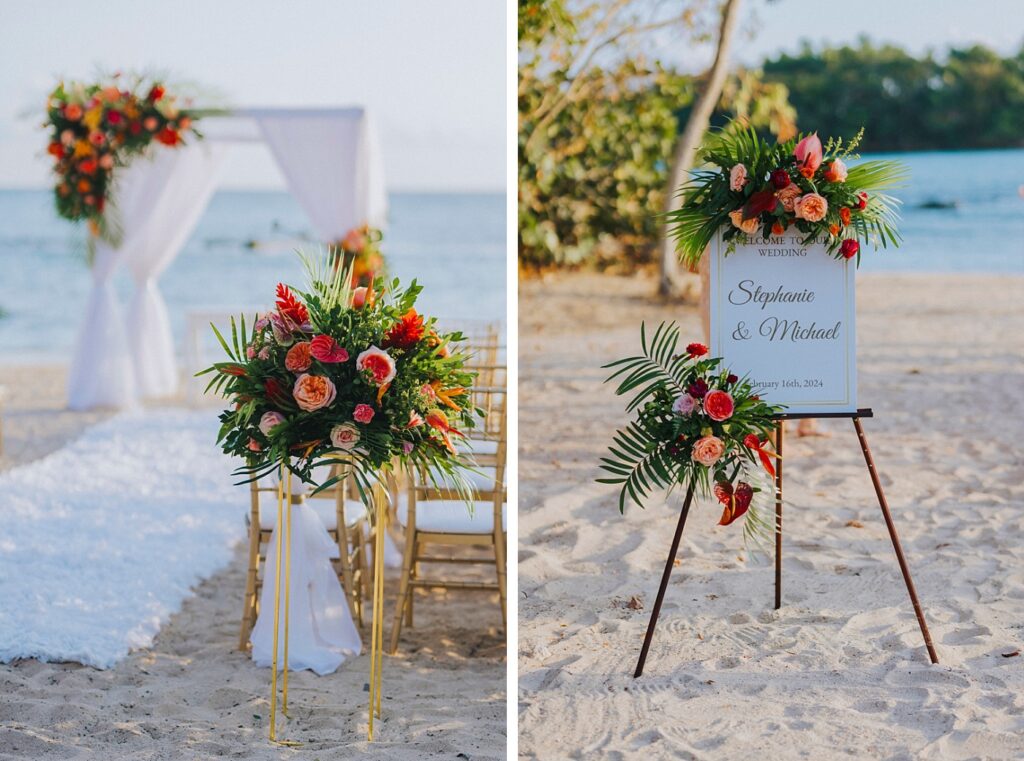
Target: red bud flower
{"points": [[780, 179], [849, 248]]}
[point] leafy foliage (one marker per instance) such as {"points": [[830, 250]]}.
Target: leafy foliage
{"points": [[671, 393]]}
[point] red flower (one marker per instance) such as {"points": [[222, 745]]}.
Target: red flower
{"points": [[326, 349], [155, 93], [88, 166], [736, 500], [752, 442], [730, 379], [698, 388], [290, 307], [696, 349], [363, 414], [276, 393], [862, 200], [168, 136], [780, 179], [406, 333], [718, 405], [763, 200], [134, 127], [56, 150], [778, 227], [849, 249], [114, 117]]}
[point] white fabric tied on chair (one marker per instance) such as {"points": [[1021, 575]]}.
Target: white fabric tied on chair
{"points": [[321, 633]]}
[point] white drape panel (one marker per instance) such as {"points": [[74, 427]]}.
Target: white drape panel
{"points": [[332, 164], [101, 373], [188, 176]]}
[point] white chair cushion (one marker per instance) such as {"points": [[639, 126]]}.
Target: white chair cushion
{"points": [[452, 516], [324, 509]]}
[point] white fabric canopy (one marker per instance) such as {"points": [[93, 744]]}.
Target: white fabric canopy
{"points": [[330, 160]]}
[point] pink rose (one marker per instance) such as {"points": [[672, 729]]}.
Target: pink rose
{"points": [[808, 155], [708, 450], [250, 352], [788, 195], [378, 363], [363, 413], [67, 137], [737, 177], [359, 297], [345, 436], [718, 405], [684, 405], [150, 123], [836, 171], [811, 207], [106, 161], [313, 392], [749, 226], [270, 421]]}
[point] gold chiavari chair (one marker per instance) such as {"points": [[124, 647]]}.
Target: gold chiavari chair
{"points": [[343, 517], [435, 515]]}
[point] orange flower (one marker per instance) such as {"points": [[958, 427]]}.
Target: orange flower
{"points": [[84, 186], [844, 215], [298, 359], [778, 228], [834, 229]]}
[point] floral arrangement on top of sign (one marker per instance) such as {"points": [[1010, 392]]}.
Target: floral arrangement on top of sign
{"points": [[360, 252], [753, 187], [697, 425], [336, 371], [97, 127]]}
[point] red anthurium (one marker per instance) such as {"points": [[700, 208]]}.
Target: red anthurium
{"points": [[326, 349], [763, 200], [736, 501]]}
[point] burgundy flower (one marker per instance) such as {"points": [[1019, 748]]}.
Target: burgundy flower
{"points": [[731, 379], [780, 179], [698, 388]]}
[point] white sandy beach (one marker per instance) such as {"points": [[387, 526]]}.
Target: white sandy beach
{"points": [[193, 696], [840, 671]]}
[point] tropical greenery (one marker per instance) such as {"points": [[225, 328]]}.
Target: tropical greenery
{"points": [[749, 186], [335, 371], [696, 425], [968, 97]]}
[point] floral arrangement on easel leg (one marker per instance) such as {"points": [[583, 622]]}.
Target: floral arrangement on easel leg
{"points": [[97, 127], [335, 371], [751, 187], [697, 426]]}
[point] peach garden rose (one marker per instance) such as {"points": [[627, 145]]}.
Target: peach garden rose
{"points": [[737, 177], [749, 226], [788, 196], [313, 392], [298, 359], [811, 207], [708, 450], [345, 436]]}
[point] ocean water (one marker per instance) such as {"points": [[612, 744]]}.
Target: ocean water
{"points": [[453, 244]]}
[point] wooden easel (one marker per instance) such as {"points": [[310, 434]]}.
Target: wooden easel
{"points": [[781, 418]]}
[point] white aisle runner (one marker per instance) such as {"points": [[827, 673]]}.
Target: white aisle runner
{"points": [[101, 541]]}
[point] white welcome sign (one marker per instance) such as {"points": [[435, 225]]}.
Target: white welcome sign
{"points": [[783, 313]]}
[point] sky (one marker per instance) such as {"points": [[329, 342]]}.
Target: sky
{"points": [[432, 74], [772, 26]]}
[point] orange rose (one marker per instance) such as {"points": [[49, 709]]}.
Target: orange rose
{"points": [[749, 226], [313, 392], [708, 450], [298, 358], [811, 207]]}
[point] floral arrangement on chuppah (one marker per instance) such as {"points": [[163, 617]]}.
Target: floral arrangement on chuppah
{"points": [[697, 425], [755, 188], [338, 370], [360, 252], [97, 127]]}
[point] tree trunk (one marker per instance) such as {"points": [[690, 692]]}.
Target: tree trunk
{"points": [[688, 143]]}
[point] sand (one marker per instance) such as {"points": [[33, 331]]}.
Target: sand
{"points": [[840, 671], [193, 696]]}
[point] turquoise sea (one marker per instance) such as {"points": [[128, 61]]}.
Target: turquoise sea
{"points": [[453, 244]]}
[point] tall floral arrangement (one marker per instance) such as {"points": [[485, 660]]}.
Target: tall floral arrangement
{"points": [[335, 371], [360, 252], [697, 425], [750, 187], [96, 128]]}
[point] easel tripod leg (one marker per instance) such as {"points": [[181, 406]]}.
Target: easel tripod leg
{"points": [[664, 583], [895, 540], [778, 515]]}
